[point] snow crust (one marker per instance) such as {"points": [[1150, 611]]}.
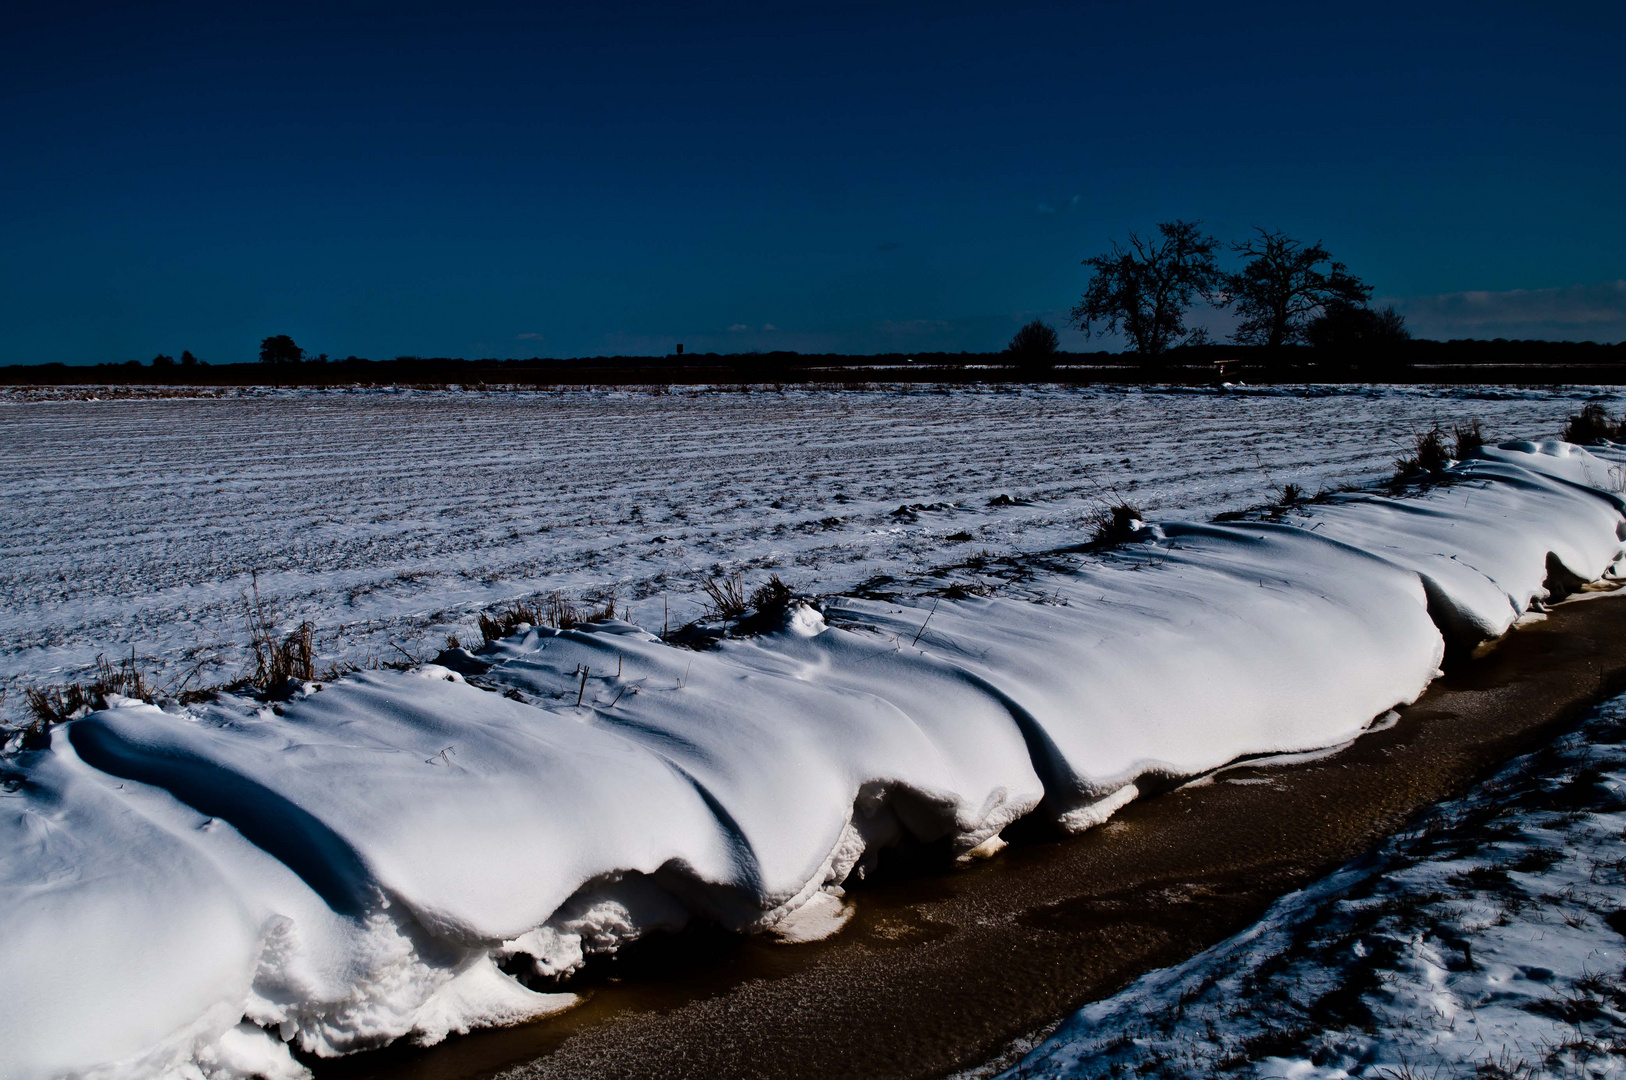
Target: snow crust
{"points": [[391, 518], [398, 854], [1489, 939]]}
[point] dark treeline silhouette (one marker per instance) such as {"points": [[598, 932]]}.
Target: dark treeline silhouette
{"points": [[1301, 316], [1035, 346], [281, 350], [1408, 360], [1284, 292]]}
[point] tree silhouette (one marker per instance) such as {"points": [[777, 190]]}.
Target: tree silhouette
{"points": [[1283, 285], [1356, 326], [163, 360], [1144, 289], [280, 350], [187, 359], [1034, 345]]}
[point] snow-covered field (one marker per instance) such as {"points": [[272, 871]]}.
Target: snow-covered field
{"points": [[406, 853], [1489, 940], [389, 519]]}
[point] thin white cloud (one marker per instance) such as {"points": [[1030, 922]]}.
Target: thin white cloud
{"points": [[1574, 312], [527, 337]]}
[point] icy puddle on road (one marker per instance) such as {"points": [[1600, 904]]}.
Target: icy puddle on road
{"points": [[1488, 939]]}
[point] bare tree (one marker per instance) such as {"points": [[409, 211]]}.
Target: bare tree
{"points": [[1144, 289], [1284, 285]]}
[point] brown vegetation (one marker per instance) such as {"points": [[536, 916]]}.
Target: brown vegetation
{"points": [[556, 610]]}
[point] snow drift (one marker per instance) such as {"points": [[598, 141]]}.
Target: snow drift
{"points": [[191, 891]]}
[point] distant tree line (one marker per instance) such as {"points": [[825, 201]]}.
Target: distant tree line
{"points": [[1285, 293], [280, 349], [1463, 362], [164, 360]]}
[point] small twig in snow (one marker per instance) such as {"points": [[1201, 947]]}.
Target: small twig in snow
{"points": [[929, 615]]}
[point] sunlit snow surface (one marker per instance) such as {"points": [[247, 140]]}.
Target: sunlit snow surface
{"points": [[1489, 939], [389, 519], [411, 853]]}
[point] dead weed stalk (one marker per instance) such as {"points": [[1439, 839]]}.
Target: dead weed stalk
{"points": [[277, 661], [727, 595]]}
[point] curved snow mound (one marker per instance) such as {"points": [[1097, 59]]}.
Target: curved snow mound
{"points": [[406, 854]]}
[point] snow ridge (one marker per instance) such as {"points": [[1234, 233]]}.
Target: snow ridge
{"points": [[398, 854]]}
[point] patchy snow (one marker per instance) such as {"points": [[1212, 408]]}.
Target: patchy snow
{"points": [[1489, 939], [389, 519], [409, 854]]}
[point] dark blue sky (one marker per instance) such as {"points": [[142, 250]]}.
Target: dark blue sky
{"points": [[507, 180]]}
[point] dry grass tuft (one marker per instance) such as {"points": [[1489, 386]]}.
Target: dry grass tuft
{"points": [[773, 598], [276, 661], [1115, 524], [1428, 456], [1592, 426], [760, 610], [959, 590], [504, 621], [562, 614], [556, 610], [1470, 439], [55, 704], [727, 595]]}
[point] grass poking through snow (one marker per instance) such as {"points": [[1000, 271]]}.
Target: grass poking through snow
{"points": [[727, 595], [555, 610], [1592, 426], [1114, 524], [278, 659], [49, 706]]}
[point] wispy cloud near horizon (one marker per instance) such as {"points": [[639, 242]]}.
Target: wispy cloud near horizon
{"points": [[1571, 312]]}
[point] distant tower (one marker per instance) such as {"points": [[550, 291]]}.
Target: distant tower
{"points": [[680, 348]]}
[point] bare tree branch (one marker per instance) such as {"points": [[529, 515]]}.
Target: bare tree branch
{"points": [[1282, 285], [1144, 291]]}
